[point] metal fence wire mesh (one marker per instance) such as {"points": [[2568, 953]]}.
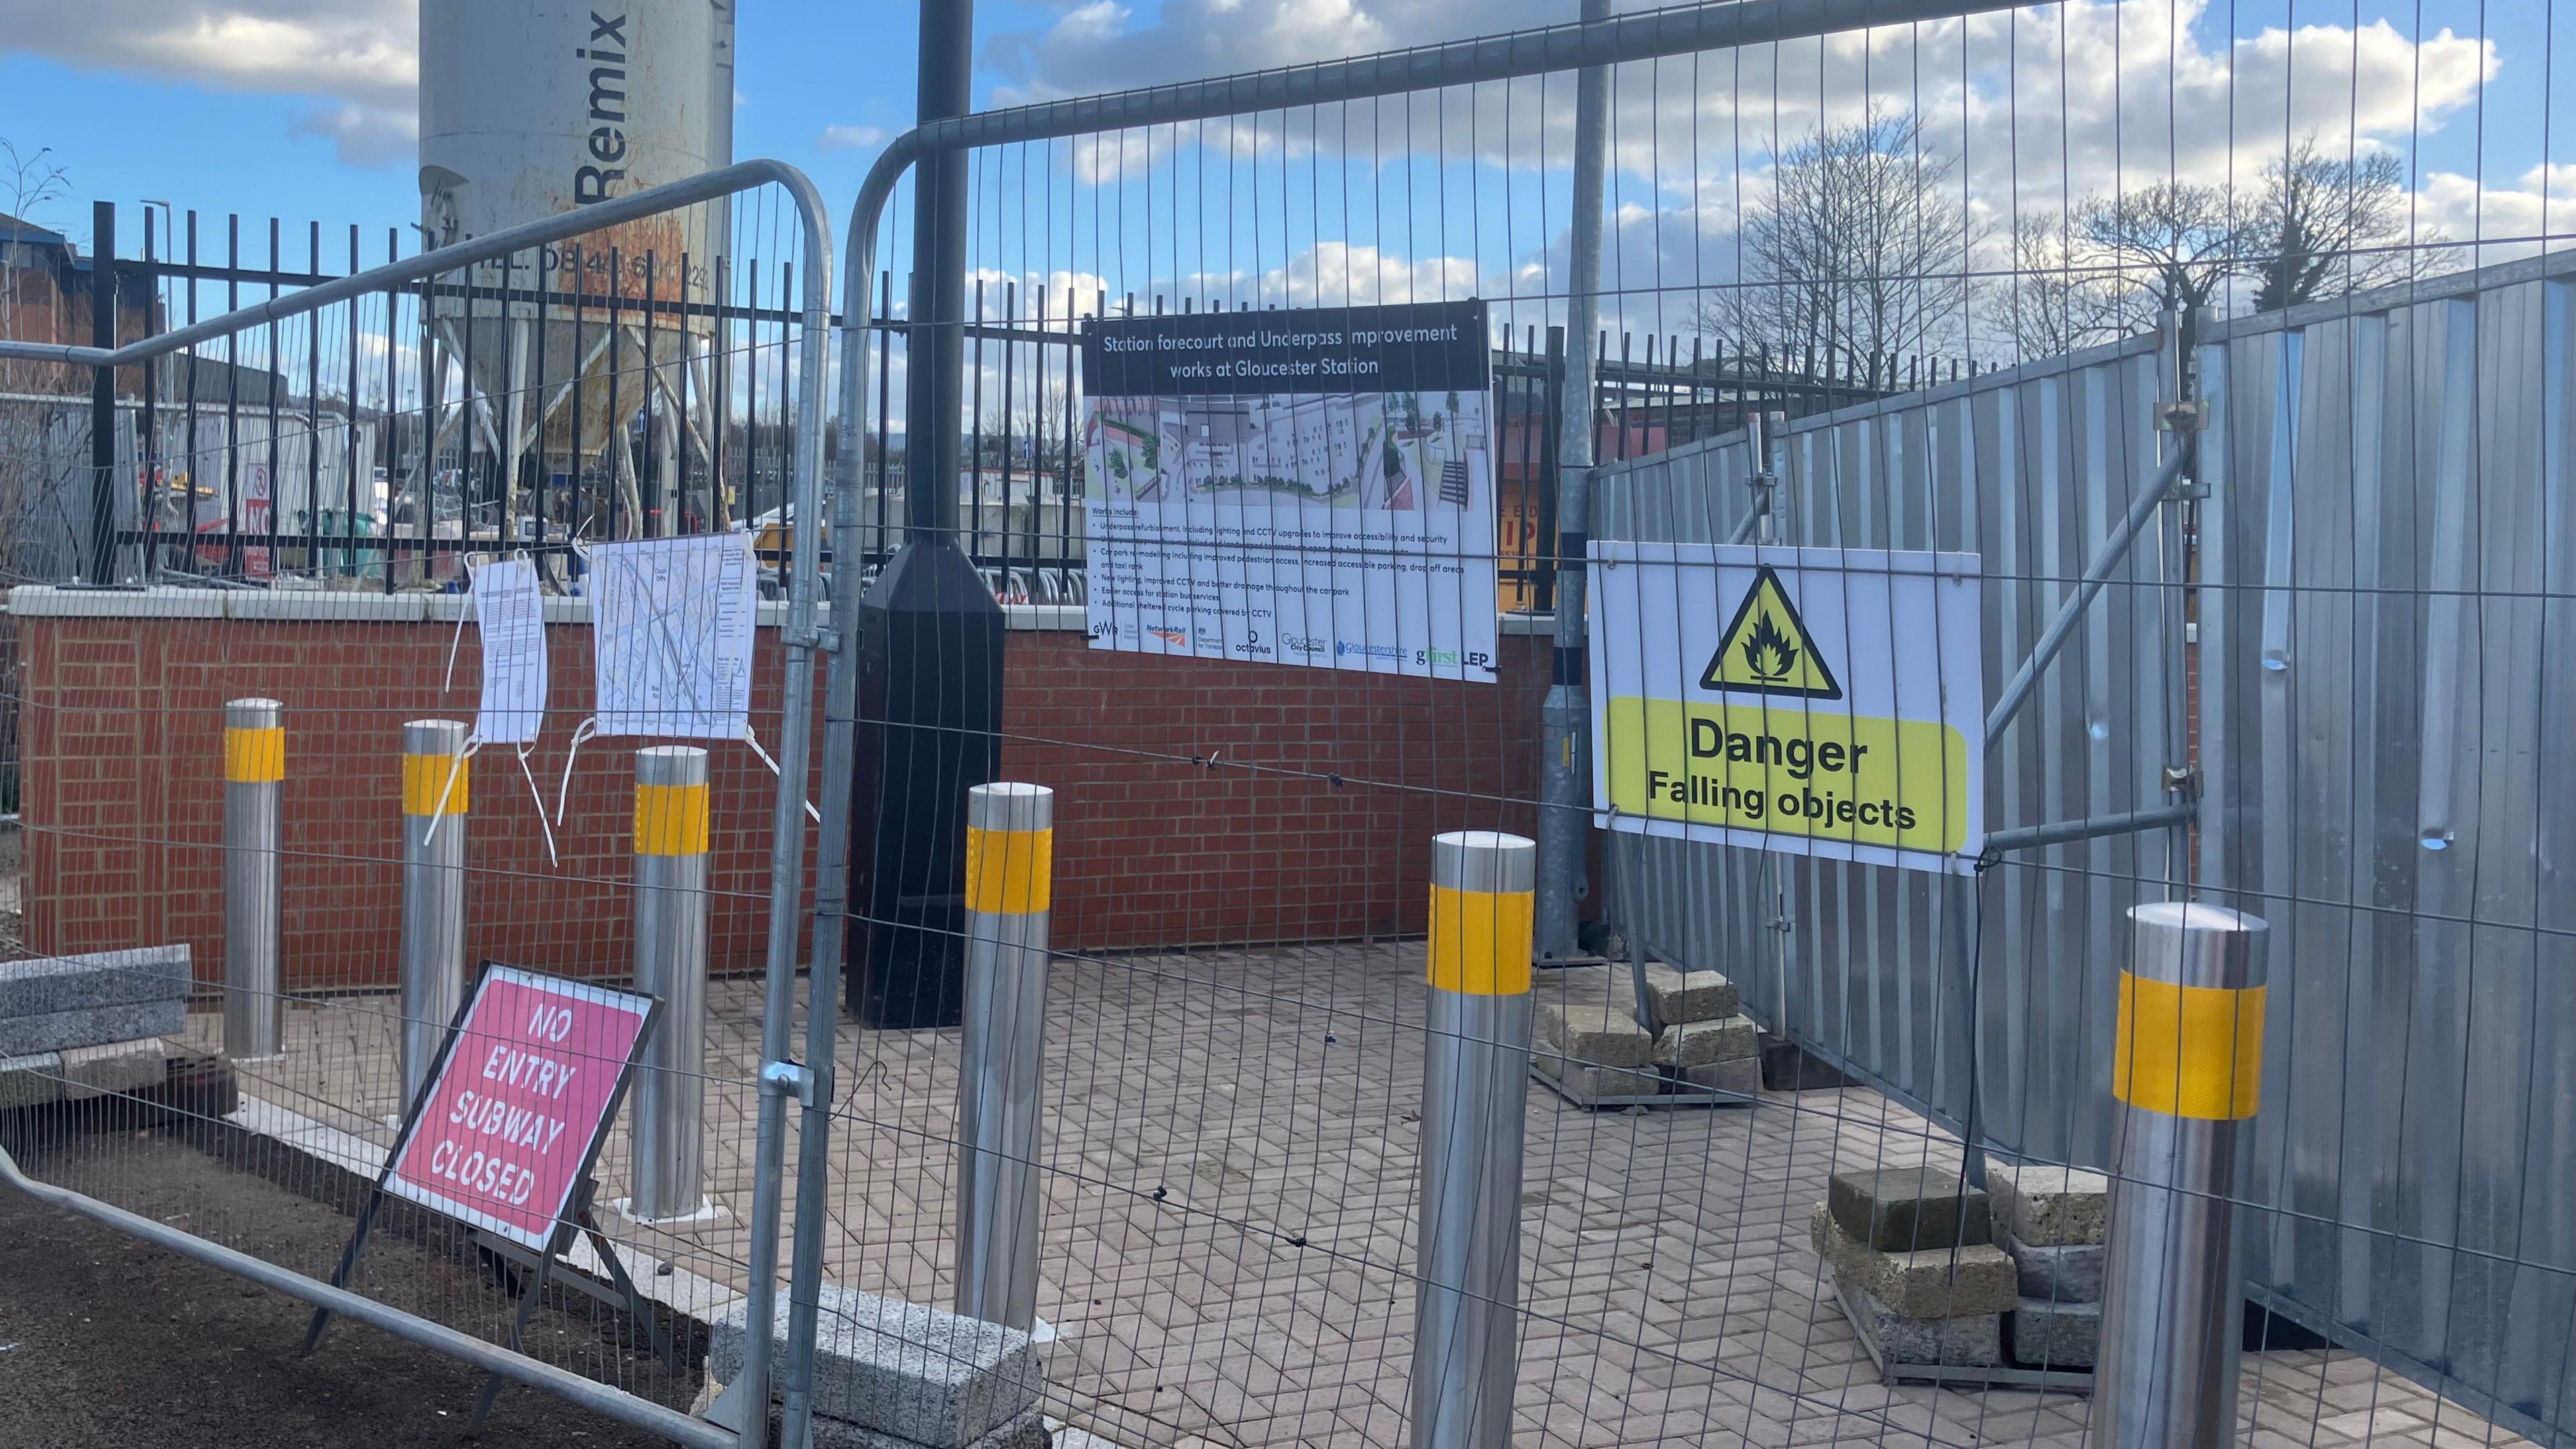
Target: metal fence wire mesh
{"points": [[2157, 404]]}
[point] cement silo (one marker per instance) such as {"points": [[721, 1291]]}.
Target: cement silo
{"points": [[530, 108]]}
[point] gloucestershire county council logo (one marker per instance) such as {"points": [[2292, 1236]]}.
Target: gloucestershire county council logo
{"points": [[1766, 649], [1366, 651]]}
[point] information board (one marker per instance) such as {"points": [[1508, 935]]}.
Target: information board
{"points": [[1817, 701], [1294, 487], [672, 658], [518, 1101], [510, 621]]}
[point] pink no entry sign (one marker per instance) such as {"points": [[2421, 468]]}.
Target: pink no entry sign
{"points": [[514, 1113]]}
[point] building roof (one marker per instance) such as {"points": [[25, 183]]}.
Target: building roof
{"points": [[21, 230]]}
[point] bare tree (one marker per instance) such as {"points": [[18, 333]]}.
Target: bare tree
{"points": [[2331, 226], [2172, 247], [28, 184], [1859, 252], [2060, 298]]}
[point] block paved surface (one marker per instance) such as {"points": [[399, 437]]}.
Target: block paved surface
{"points": [[1228, 1235]]}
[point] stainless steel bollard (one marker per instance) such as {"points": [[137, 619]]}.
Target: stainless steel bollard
{"points": [[1010, 867], [2187, 1066], [1475, 1097], [433, 879], [254, 784], [671, 963]]}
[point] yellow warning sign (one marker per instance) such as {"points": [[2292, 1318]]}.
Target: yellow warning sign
{"points": [[1766, 648]]}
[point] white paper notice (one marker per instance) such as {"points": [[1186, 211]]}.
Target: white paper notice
{"points": [[675, 626], [510, 618]]}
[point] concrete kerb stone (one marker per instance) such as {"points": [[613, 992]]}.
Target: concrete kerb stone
{"points": [[1905, 1209], [1706, 1043], [922, 1375], [2071, 1273], [1690, 996], [1953, 1282], [2057, 1335], [55, 1003], [2050, 1207]]}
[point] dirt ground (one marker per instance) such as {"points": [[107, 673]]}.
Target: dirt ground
{"points": [[106, 1342]]}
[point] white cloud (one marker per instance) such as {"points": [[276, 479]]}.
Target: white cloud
{"points": [[850, 138], [357, 59]]}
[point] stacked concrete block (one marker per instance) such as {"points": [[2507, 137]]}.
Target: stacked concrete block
{"points": [[1588, 1040], [2053, 1222], [1911, 1249], [895, 1375], [59, 1003], [1595, 1050]]}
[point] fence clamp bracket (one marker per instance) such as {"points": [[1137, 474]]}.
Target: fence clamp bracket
{"points": [[2190, 415], [788, 1079], [2183, 781]]}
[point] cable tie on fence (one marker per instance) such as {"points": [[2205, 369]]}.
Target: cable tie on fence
{"points": [[538, 797], [456, 641], [587, 729], [749, 737], [468, 749]]}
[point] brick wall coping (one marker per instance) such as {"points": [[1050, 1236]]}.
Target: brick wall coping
{"points": [[169, 601]]}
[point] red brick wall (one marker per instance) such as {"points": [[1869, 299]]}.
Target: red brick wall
{"points": [[1197, 803]]}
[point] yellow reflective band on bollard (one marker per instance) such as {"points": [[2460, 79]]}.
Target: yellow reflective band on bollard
{"points": [[254, 757], [2189, 1051], [1480, 941], [1009, 872], [670, 820], [425, 778]]}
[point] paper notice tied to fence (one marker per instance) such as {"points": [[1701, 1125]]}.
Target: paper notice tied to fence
{"points": [[673, 652], [1817, 701], [1296, 487], [510, 620], [519, 1101]]}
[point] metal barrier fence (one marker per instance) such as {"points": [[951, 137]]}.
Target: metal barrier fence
{"points": [[374, 845], [1273, 1156]]}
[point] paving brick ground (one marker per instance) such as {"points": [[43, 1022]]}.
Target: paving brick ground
{"points": [[1228, 1224]]}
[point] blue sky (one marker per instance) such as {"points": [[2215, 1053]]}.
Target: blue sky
{"points": [[299, 108]]}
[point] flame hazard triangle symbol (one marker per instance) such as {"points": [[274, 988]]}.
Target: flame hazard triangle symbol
{"points": [[1766, 649]]}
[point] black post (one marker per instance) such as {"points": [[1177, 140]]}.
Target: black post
{"points": [[102, 395], [930, 634]]}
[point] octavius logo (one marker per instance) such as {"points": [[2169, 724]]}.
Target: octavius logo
{"points": [[1767, 651]]}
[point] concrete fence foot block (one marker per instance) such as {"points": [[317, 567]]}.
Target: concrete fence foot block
{"points": [[34, 1080], [1585, 1080], [1971, 1341], [1682, 996], [1594, 1036], [2050, 1207], [1905, 1209], [2057, 1335], [1706, 1043], [124, 1066], [2071, 1273], [922, 1375], [1743, 1076], [1927, 1283], [1028, 1431]]}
